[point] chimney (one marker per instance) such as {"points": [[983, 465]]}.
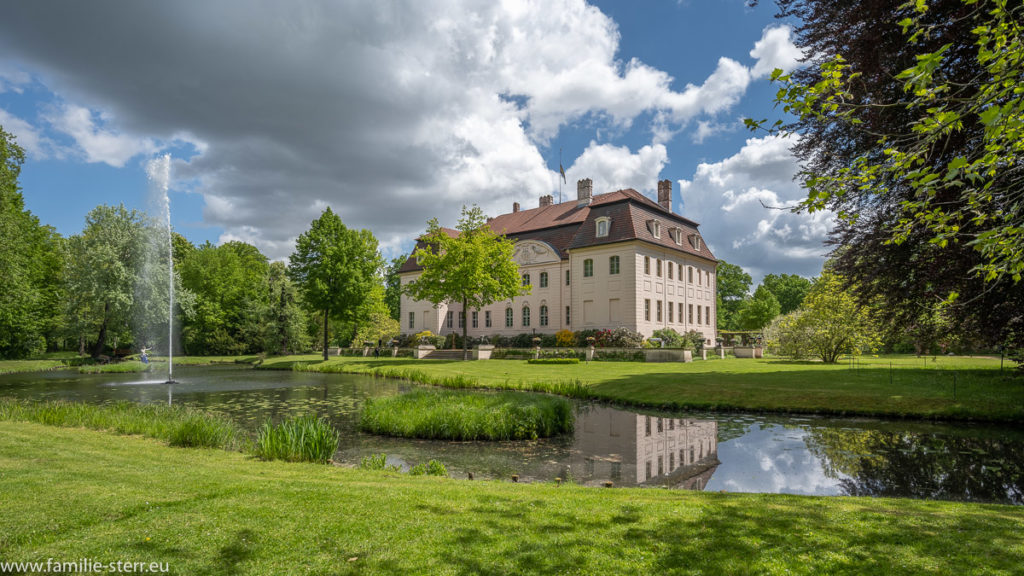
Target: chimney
{"points": [[515, 207], [584, 192], [665, 194], [547, 200]]}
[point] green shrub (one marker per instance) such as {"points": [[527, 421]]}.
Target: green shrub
{"points": [[553, 361], [304, 439], [377, 462], [451, 415], [431, 468]]}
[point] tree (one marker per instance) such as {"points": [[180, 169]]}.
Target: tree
{"points": [[232, 295], [757, 312], [789, 290], [911, 122], [377, 324], [335, 268], [104, 264], [733, 285], [30, 265], [830, 323], [285, 321], [393, 286], [474, 269]]}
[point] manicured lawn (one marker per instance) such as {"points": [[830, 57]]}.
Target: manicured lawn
{"points": [[942, 387], [12, 366], [207, 511]]}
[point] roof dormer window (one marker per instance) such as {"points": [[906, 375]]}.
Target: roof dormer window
{"points": [[695, 241], [654, 227], [677, 235], [604, 224]]}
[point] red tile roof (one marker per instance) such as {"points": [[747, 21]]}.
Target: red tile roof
{"points": [[568, 226]]}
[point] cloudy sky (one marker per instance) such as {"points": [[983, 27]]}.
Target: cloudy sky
{"points": [[393, 112]]}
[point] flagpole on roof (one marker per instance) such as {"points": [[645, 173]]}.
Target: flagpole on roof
{"points": [[562, 172]]}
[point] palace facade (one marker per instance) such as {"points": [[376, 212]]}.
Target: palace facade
{"points": [[602, 261]]}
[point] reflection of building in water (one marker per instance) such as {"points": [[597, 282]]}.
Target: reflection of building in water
{"points": [[629, 448]]}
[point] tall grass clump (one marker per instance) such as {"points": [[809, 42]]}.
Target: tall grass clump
{"points": [[176, 425], [303, 439], [118, 368], [446, 415]]}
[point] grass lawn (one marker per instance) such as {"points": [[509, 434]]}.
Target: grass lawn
{"points": [[205, 511], [12, 366], [942, 387]]}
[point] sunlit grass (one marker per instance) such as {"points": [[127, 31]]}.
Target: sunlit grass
{"points": [[302, 439]]}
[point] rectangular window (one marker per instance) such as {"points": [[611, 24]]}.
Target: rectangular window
{"points": [[671, 461], [448, 319], [647, 309], [543, 279], [659, 315], [707, 314], [566, 277], [647, 265], [568, 317], [661, 464], [669, 265], [487, 318], [647, 426], [526, 279], [412, 319], [476, 319], [689, 315], [462, 319], [588, 268], [613, 265], [698, 315], [689, 273], [661, 425], [657, 268], [508, 317], [671, 307]]}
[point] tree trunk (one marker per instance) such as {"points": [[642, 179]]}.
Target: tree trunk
{"points": [[326, 313], [465, 329], [81, 344], [101, 341]]}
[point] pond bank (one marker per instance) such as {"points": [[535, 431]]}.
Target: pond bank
{"points": [[954, 389]]}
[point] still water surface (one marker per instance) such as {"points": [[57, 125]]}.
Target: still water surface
{"points": [[732, 452]]}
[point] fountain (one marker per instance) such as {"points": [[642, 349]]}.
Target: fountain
{"points": [[159, 172]]}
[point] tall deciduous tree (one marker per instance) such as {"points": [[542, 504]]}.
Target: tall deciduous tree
{"points": [[911, 119], [393, 285], [733, 284], [789, 290], [758, 311], [104, 266], [474, 269], [30, 265], [335, 268]]}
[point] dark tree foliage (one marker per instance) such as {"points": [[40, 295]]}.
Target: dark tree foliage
{"points": [[910, 278], [393, 285]]}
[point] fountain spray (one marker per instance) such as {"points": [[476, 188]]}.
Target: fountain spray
{"points": [[159, 172]]}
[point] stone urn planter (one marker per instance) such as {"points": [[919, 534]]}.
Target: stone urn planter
{"points": [[422, 350], [483, 351]]}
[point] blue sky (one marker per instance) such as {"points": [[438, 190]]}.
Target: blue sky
{"points": [[392, 113]]}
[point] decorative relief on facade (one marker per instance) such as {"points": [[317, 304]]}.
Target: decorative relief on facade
{"points": [[532, 252]]}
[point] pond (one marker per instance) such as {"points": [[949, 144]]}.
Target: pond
{"points": [[730, 452]]}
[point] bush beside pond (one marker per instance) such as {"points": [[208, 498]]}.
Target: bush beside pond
{"points": [[446, 415]]}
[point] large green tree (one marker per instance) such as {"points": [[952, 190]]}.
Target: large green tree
{"points": [[393, 285], [788, 289], [335, 268], [474, 269], [285, 320], [104, 264], [30, 265], [911, 123], [232, 295], [758, 311], [733, 287]]}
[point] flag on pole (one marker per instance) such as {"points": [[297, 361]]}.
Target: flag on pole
{"points": [[561, 171]]}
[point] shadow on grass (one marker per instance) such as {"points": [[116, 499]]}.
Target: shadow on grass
{"points": [[727, 536]]}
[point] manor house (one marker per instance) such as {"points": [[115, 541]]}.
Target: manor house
{"points": [[601, 261]]}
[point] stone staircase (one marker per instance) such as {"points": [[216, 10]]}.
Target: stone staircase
{"points": [[446, 355]]}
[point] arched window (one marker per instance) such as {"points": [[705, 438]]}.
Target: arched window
{"points": [[613, 264], [509, 315], [588, 268], [526, 316], [603, 224], [543, 315], [526, 279], [543, 279]]}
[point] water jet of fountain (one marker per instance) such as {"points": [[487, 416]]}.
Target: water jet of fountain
{"points": [[159, 172]]}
